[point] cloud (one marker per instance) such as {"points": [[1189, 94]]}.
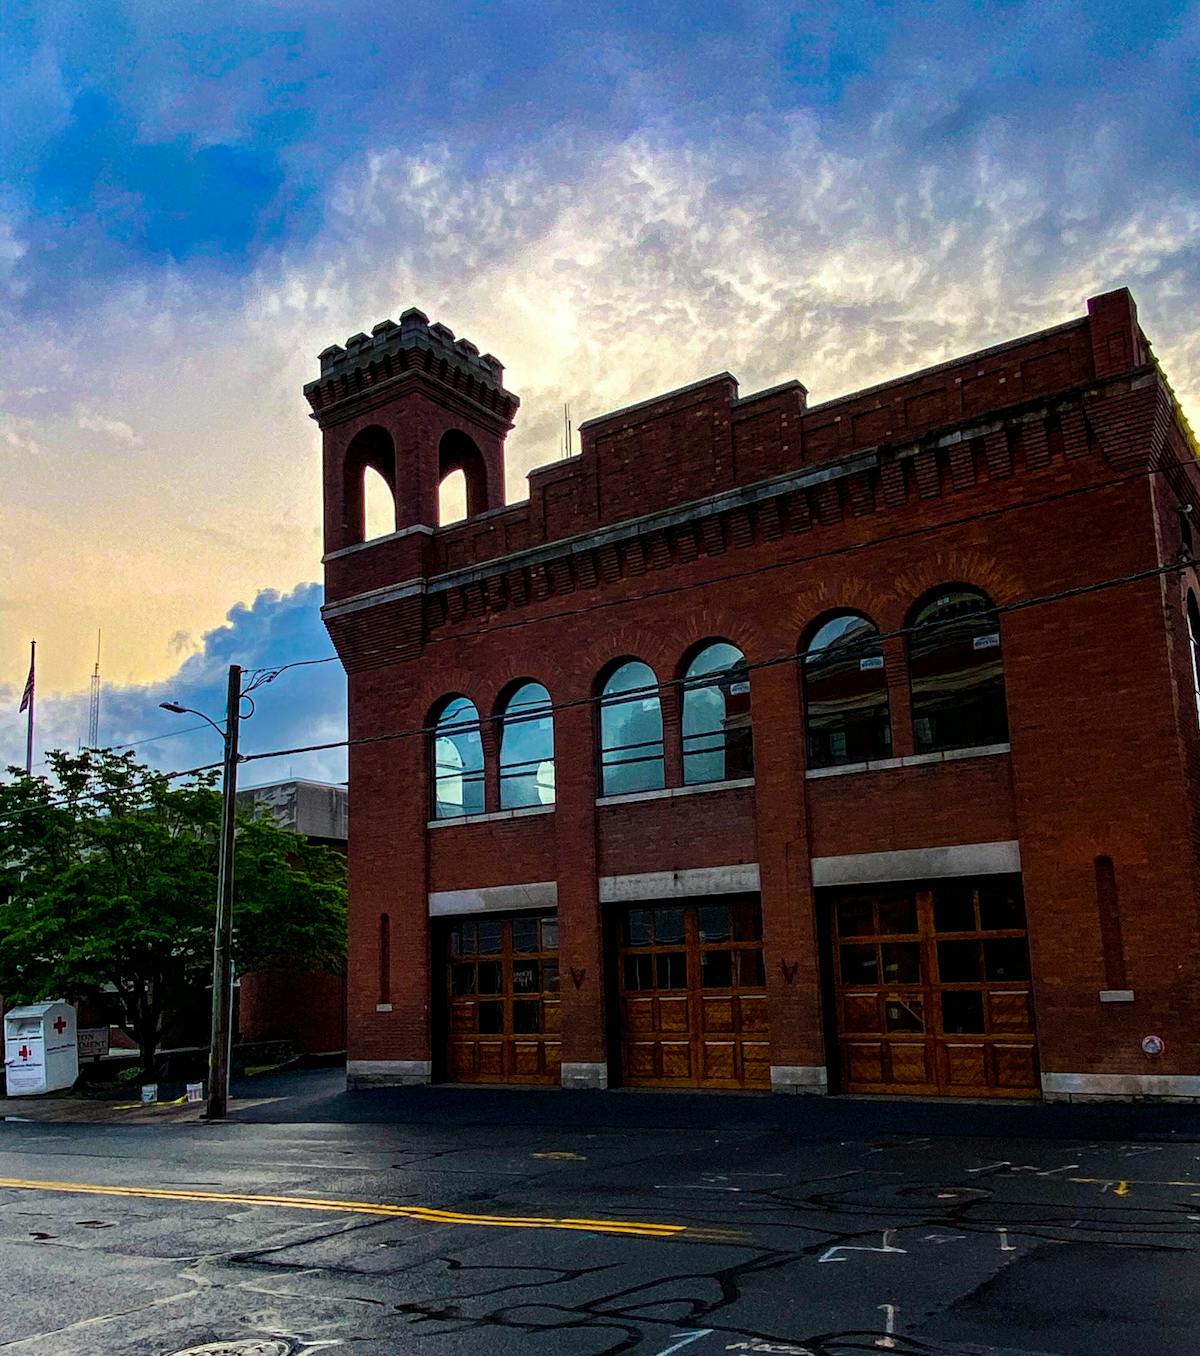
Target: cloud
{"points": [[116, 429], [18, 434], [616, 207], [304, 705]]}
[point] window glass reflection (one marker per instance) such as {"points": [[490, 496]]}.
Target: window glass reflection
{"points": [[845, 694], [457, 761], [527, 749], [956, 673], [631, 733], [717, 744]]}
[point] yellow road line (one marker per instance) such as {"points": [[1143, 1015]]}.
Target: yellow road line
{"points": [[1122, 1184], [427, 1214]]}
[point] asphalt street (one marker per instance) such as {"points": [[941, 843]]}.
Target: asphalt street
{"points": [[451, 1220]]}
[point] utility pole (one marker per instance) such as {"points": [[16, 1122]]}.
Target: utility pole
{"points": [[222, 1013]]}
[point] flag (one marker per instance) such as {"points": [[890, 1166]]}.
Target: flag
{"points": [[27, 695]]}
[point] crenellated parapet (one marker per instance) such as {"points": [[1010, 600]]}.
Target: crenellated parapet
{"points": [[368, 361]]}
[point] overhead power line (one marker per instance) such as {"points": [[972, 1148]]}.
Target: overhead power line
{"points": [[628, 694]]}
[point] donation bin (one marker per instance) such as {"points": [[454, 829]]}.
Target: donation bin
{"points": [[39, 1048]]}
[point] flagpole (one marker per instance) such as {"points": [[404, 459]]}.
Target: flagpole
{"points": [[32, 699]]}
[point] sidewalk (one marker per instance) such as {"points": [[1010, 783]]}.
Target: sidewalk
{"points": [[95, 1111], [319, 1097]]}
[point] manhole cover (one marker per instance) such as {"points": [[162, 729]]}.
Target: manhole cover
{"points": [[240, 1346]]}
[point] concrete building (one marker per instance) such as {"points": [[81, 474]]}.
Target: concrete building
{"points": [[850, 746], [284, 1003]]}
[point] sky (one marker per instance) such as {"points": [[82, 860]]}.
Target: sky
{"points": [[195, 199]]}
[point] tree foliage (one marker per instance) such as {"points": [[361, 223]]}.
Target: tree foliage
{"points": [[108, 876]]}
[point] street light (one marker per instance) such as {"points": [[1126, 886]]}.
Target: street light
{"points": [[222, 1009]]}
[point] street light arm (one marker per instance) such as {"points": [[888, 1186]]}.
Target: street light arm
{"points": [[177, 710]]}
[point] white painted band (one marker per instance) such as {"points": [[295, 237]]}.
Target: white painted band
{"points": [[539, 894], [932, 863], [700, 880]]}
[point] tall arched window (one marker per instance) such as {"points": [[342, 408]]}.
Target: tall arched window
{"points": [[1193, 624], [368, 507], [527, 749], [452, 498], [379, 508], [845, 693], [717, 743], [457, 761], [631, 731], [957, 671]]}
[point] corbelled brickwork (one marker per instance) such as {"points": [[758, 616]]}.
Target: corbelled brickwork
{"points": [[1034, 468]]}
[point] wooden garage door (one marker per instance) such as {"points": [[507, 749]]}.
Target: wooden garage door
{"points": [[502, 986], [693, 1002], [933, 992]]}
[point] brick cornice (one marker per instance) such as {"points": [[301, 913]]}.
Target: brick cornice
{"points": [[1107, 418]]}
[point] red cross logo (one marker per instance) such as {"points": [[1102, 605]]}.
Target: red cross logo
{"points": [[24, 1052], [60, 1026]]}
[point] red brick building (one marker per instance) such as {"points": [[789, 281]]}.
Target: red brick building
{"points": [[775, 745]]}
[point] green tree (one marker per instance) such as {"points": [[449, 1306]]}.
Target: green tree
{"points": [[108, 876]]}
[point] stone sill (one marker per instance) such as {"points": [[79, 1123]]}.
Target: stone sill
{"points": [[668, 792], [912, 760], [523, 813]]}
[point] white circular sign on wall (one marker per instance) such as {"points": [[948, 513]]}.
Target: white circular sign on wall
{"points": [[1153, 1045]]}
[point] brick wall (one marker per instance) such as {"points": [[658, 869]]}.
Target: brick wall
{"points": [[1036, 467]]}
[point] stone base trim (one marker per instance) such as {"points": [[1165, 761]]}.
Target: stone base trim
{"points": [[807, 1078], [594, 1076], [1081, 1087], [387, 1073]]}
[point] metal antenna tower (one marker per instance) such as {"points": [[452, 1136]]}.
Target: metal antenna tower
{"points": [[93, 739]]}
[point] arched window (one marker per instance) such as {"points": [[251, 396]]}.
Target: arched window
{"points": [[845, 693], [527, 749], [956, 671], [717, 743], [452, 498], [379, 508], [631, 732], [1193, 623], [457, 761], [368, 487], [462, 475]]}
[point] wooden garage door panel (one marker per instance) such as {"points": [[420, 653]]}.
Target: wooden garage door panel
{"points": [[863, 1062], [501, 976], [639, 1015], [718, 1014], [860, 1012], [674, 1014], [552, 1051], [756, 1064], [526, 1058], [909, 1062], [695, 989], [941, 973], [462, 1057], [753, 1011], [1015, 1065], [490, 1058], [719, 1061], [640, 1059], [1009, 1011], [964, 1065], [676, 1059]]}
